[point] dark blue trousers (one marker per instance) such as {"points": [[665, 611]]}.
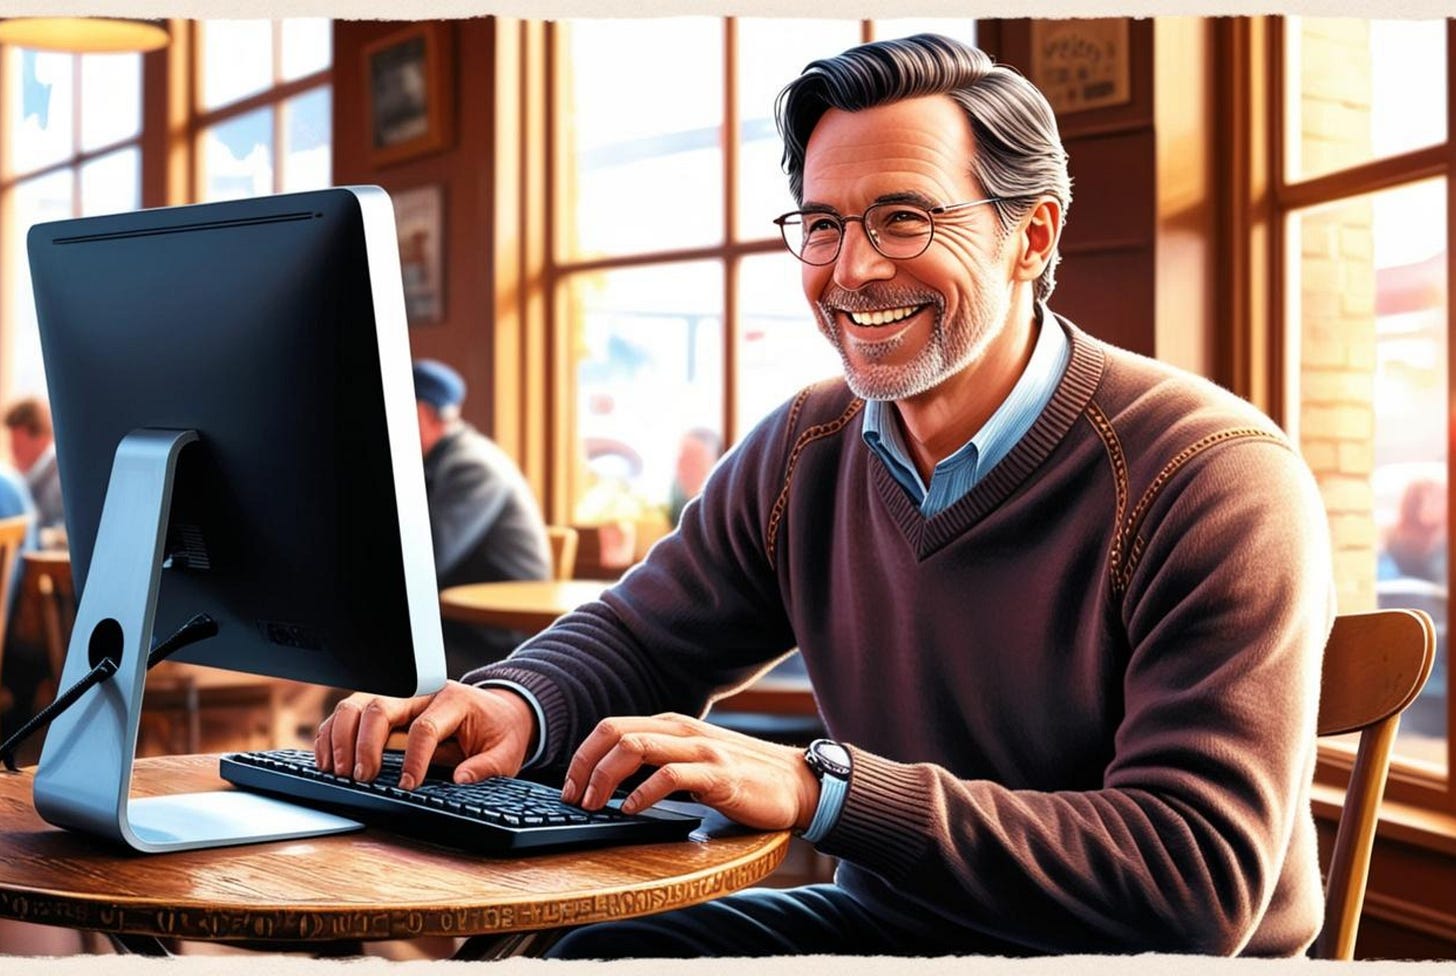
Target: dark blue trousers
{"points": [[821, 918]]}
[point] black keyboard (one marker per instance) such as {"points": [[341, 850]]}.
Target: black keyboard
{"points": [[494, 815]]}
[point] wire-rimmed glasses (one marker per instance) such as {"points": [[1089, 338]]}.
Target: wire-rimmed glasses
{"points": [[897, 230]]}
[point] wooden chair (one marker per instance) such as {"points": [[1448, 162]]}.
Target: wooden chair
{"points": [[47, 581], [564, 541], [12, 537], [1375, 664]]}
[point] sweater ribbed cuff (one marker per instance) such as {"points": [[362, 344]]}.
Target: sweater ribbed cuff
{"points": [[884, 825], [553, 705]]}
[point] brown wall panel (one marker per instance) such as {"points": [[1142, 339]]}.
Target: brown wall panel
{"points": [[1110, 294], [462, 170], [1113, 191]]}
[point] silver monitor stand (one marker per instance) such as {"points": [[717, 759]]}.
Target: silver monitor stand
{"points": [[84, 778]]}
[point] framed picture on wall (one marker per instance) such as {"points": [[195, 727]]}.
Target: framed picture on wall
{"points": [[409, 79], [419, 217], [1081, 64]]}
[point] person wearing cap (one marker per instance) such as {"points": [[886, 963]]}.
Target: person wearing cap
{"points": [[484, 521]]}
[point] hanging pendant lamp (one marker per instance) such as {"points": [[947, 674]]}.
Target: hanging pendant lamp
{"points": [[84, 35]]}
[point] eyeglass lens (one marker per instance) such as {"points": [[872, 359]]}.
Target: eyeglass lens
{"points": [[895, 229]]}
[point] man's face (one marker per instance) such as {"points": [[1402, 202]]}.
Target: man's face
{"points": [[937, 312], [26, 448]]}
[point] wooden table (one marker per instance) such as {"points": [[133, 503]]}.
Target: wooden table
{"points": [[532, 605], [525, 605], [362, 886]]}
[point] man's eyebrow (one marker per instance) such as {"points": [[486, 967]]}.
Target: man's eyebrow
{"points": [[908, 196], [902, 196]]}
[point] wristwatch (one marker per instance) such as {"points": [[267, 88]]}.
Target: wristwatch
{"points": [[829, 761]]}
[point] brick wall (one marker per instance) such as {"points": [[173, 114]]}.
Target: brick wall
{"points": [[1337, 300]]}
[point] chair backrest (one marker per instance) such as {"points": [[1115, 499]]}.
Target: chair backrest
{"points": [[564, 542], [1375, 664], [12, 537], [55, 594]]}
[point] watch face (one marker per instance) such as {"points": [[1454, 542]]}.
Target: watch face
{"points": [[830, 757]]}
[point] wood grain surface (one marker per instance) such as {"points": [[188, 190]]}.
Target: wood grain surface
{"points": [[366, 885]]}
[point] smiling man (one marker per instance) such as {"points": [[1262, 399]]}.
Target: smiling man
{"points": [[1062, 606]]}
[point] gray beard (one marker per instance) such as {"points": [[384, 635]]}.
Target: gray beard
{"points": [[953, 344]]}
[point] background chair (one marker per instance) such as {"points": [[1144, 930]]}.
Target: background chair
{"points": [[12, 537], [564, 541], [46, 584], [1375, 665]]}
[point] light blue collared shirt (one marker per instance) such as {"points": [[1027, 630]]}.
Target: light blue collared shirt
{"points": [[958, 474]]}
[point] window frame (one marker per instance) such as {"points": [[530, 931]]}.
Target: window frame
{"points": [[199, 119], [1410, 781], [11, 180], [557, 271]]}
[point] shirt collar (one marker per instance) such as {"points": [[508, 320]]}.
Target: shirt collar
{"points": [[1011, 420]]}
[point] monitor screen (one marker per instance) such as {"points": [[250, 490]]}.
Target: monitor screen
{"points": [[275, 328]]}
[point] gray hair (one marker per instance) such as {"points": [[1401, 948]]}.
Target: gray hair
{"points": [[1019, 157]]}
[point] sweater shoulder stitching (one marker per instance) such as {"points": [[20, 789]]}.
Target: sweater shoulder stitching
{"points": [[1118, 460], [811, 434], [1130, 543]]}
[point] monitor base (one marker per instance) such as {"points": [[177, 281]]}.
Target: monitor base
{"points": [[188, 821]]}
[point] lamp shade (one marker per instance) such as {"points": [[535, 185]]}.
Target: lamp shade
{"points": [[84, 35]]}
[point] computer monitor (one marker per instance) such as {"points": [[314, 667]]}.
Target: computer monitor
{"points": [[273, 329]]}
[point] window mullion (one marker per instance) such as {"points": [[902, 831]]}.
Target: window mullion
{"points": [[730, 229]]}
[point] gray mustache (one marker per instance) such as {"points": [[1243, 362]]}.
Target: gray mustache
{"points": [[870, 299]]}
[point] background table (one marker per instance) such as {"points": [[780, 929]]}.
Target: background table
{"points": [[525, 605], [361, 886]]}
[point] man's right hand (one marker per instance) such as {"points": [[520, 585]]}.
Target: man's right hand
{"points": [[483, 731]]}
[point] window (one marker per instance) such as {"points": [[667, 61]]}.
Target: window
{"points": [[1362, 176], [75, 145], [72, 148], [264, 107], [679, 311]]}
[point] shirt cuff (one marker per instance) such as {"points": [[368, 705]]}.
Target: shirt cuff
{"points": [[531, 700], [832, 791]]}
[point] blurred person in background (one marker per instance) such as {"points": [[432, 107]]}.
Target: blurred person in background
{"points": [[696, 455], [1415, 546], [484, 521], [33, 448]]}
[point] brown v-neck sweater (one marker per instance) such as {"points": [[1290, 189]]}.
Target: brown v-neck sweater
{"points": [[1080, 701]]}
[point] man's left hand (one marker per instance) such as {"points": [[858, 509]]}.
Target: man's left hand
{"points": [[756, 783]]}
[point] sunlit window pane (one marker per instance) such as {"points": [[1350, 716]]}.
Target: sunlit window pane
{"points": [[237, 60], [308, 46], [648, 368], [112, 183], [34, 201], [771, 53], [1362, 90], [780, 349], [238, 155], [41, 101], [111, 99], [641, 126], [1370, 303], [308, 163], [960, 28]]}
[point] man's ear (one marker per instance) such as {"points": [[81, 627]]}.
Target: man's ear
{"points": [[1037, 239]]}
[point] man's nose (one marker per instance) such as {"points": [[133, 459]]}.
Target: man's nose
{"points": [[858, 261]]}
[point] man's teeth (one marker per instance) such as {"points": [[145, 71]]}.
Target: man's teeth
{"points": [[883, 316]]}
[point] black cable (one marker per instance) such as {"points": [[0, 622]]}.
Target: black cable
{"points": [[198, 628]]}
